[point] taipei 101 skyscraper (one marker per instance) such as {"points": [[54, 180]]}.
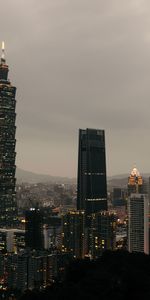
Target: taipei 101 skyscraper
{"points": [[8, 209]]}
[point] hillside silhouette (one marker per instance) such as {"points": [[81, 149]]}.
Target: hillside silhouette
{"points": [[116, 275]]}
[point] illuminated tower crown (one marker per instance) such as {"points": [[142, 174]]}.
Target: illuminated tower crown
{"points": [[135, 182]]}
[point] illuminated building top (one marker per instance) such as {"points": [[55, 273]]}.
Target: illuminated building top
{"points": [[135, 172], [135, 182]]}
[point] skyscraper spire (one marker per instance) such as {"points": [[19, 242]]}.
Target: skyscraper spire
{"points": [[3, 53], [135, 172], [3, 66]]}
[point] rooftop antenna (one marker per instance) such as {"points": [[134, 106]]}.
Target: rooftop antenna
{"points": [[3, 52]]}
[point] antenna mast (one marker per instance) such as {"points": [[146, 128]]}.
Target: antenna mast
{"points": [[3, 52]]}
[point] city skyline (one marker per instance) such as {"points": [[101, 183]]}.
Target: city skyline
{"points": [[79, 65], [76, 105]]}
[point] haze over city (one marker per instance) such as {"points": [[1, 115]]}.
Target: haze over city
{"points": [[79, 64]]}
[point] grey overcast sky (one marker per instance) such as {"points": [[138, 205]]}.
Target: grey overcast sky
{"points": [[79, 64]]}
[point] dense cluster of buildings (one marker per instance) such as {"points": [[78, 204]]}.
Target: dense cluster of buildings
{"points": [[36, 247]]}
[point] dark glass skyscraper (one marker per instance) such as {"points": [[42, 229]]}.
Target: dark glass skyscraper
{"points": [[34, 238], [7, 147], [92, 186]]}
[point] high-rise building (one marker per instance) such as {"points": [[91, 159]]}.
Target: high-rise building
{"points": [[73, 233], [118, 197], [138, 223], [92, 186], [102, 233], [34, 238], [27, 270], [8, 211], [52, 233], [135, 182]]}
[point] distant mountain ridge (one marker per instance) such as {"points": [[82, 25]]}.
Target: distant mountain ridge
{"points": [[31, 177]]}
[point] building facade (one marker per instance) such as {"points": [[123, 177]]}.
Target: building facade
{"points": [[92, 186], [102, 233], [8, 210], [73, 233], [34, 237], [27, 270], [138, 223]]}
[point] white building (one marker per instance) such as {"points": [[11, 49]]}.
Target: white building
{"points": [[138, 223]]}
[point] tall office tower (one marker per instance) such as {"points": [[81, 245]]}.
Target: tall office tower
{"points": [[8, 211], [138, 223], [34, 238], [73, 233], [135, 182], [92, 186], [102, 233]]}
